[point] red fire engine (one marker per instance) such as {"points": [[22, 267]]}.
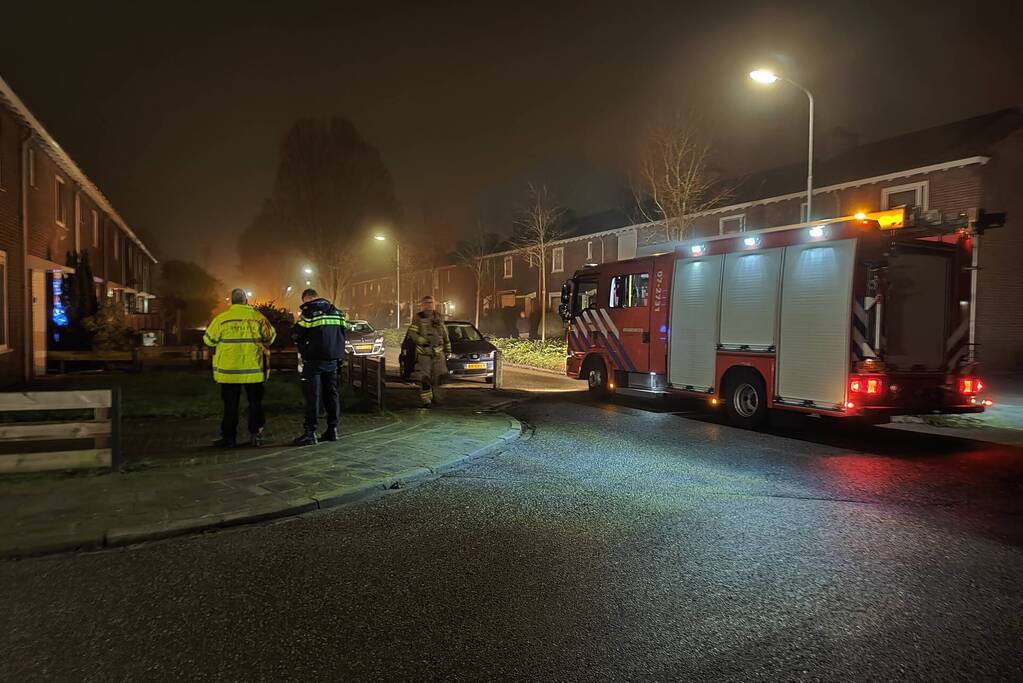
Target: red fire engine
{"points": [[862, 316]]}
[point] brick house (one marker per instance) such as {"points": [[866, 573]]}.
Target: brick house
{"points": [[48, 208]]}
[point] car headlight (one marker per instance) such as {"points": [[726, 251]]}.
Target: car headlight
{"points": [[452, 356], [349, 347], [380, 341]]}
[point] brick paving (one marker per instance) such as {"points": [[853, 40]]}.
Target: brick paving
{"points": [[45, 514]]}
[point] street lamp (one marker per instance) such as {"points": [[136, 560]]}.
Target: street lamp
{"points": [[397, 277], [308, 270], [769, 78]]}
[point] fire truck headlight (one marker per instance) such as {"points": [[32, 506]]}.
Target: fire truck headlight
{"points": [[817, 232]]}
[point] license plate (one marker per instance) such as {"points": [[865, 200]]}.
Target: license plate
{"points": [[475, 366], [364, 347]]}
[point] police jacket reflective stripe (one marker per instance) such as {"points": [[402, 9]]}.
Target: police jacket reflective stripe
{"points": [[241, 337], [319, 332]]}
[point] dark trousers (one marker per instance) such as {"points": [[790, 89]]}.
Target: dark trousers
{"points": [[231, 395], [319, 381]]}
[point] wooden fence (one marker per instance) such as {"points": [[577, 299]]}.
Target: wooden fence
{"points": [[104, 430], [366, 374]]}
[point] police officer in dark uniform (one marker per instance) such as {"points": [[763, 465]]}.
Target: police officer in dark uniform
{"points": [[320, 336]]}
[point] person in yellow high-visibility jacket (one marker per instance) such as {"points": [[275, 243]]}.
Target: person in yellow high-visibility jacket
{"points": [[241, 337]]}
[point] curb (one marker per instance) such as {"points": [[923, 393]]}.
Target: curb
{"points": [[559, 373], [123, 536]]}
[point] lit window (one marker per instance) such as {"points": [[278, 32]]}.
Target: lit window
{"points": [[507, 266], [912, 195], [629, 291], [732, 224], [557, 259], [60, 203]]}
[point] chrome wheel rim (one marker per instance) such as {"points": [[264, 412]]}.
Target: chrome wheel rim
{"points": [[746, 400]]}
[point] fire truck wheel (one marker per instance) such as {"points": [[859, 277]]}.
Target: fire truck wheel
{"points": [[596, 378], [746, 399]]}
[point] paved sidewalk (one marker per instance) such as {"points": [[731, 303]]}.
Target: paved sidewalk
{"points": [[43, 515]]}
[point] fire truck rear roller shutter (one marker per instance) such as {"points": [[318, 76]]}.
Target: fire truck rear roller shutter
{"points": [[816, 301]]}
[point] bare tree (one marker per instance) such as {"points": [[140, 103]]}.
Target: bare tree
{"points": [[331, 188], [537, 225], [471, 253], [674, 179]]}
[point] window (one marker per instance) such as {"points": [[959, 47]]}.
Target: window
{"points": [[802, 212], [95, 228], [629, 291], [732, 224], [32, 167], [507, 266], [557, 259], [60, 203], [585, 295], [589, 252], [3, 302], [914, 194]]}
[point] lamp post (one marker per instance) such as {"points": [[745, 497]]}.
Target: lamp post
{"points": [[397, 277], [769, 78]]}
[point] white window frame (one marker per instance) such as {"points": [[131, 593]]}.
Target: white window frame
{"points": [[509, 268], [6, 345], [589, 251], [31, 167], [95, 228], [742, 222], [58, 194], [922, 189], [558, 254]]}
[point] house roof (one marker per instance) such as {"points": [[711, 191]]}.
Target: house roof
{"points": [[918, 149], [65, 162]]}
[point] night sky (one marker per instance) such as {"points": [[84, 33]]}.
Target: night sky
{"points": [[176, 109]]}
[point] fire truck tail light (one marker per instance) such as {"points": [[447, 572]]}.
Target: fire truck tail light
{"points": [[871, 386], [970, 385]]}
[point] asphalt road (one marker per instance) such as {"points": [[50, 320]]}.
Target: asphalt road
{"points": [[618, 542]]}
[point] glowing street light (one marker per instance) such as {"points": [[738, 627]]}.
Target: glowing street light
{"points": [[763, 76], [769, 78], [248, 293], [308, 270], [380, 237]]}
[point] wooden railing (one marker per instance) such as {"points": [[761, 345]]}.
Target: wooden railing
{"points": [[104, 430], [366, 374]]}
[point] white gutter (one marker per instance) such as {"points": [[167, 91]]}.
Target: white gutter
{"points": [[67, 164]]}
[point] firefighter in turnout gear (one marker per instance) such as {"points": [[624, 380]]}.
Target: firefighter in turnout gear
{"points": [[430, 336], [319, 334], [241, 337]]}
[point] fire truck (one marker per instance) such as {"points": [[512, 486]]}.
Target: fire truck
{"points": [[865, 316]]}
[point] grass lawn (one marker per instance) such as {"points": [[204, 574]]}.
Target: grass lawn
{"points": [[187, 393]]}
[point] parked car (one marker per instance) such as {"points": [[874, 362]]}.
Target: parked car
{"points": [[471, 354], [362, 339]]}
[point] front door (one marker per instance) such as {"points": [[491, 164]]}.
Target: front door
{"points": [[38, 322]]}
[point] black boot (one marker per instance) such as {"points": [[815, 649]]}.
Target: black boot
{"points": [[224, 442], [329, 435], [307, 439]]}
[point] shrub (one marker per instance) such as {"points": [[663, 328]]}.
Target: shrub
{"points": [[109, 327], [549, 355], [282, 319]]}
